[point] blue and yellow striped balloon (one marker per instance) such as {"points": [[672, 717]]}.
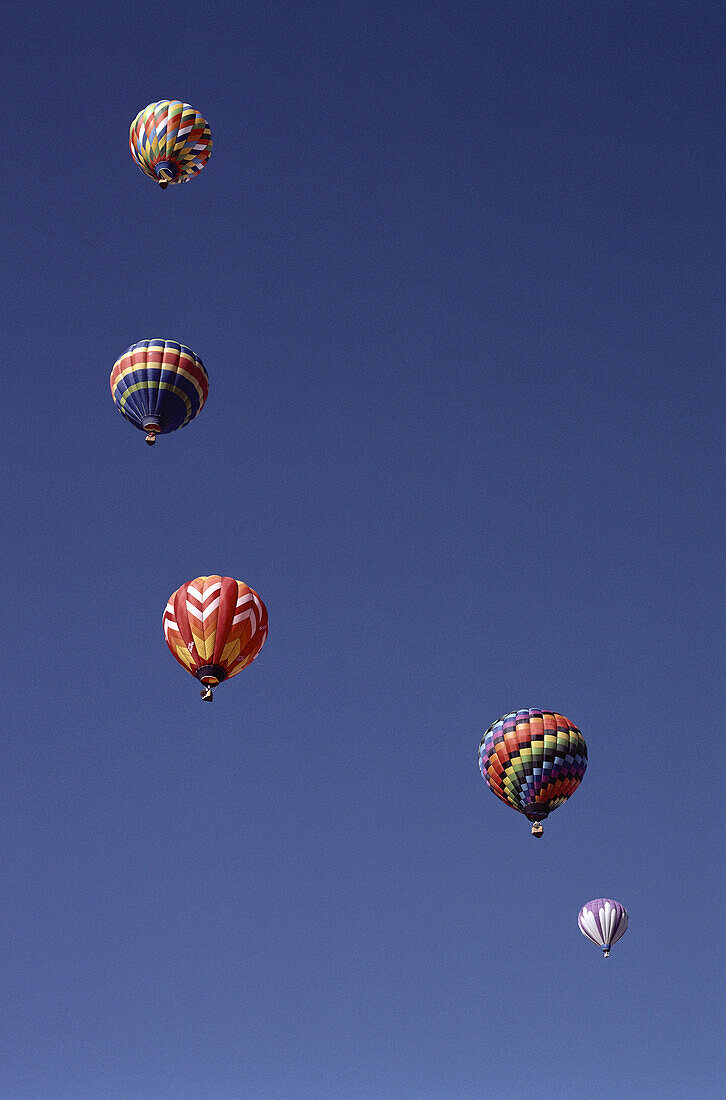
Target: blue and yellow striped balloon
{"points": [[159, 386], [170, 141]]}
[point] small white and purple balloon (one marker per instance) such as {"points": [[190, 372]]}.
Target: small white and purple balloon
{"points": [[603, 921]]}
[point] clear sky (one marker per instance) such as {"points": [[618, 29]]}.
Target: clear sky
{"points": [[457, 274]]}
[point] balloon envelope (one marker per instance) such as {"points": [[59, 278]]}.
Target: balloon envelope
{"points": [[159, 386], [215, 626], [170, 141], [533, 760], [603, 921]]}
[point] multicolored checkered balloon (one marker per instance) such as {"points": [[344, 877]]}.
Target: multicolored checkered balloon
{"points": [[533, 760], [603, 921], [170, 141]]}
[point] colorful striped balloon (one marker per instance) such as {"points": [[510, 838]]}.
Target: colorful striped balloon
{"points": [[215, 626], [533, 760], [603, 921], [170, 141], [159, 386]]}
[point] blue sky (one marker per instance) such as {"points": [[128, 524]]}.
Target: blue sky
{"points": [[457, 275]]}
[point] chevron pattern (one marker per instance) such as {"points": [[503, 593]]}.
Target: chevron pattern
{"points": [[215, 621], [170, 141], [533, 760], [159, 380]]}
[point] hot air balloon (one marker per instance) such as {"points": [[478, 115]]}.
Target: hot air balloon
{"points": [[159, 386], [533, 760], [603, 921], [170, 141], [215, 627]]}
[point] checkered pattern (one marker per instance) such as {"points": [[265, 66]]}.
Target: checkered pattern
{"points": [[533, 760], [170, 141], [162, 380]]}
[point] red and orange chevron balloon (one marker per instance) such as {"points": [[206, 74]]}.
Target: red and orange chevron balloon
{"points": [[215, 627]]}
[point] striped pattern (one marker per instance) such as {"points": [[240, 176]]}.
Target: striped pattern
{"points": [[533, 760], [603, 921], [170, 141], [215, 621], [159, 385]]}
